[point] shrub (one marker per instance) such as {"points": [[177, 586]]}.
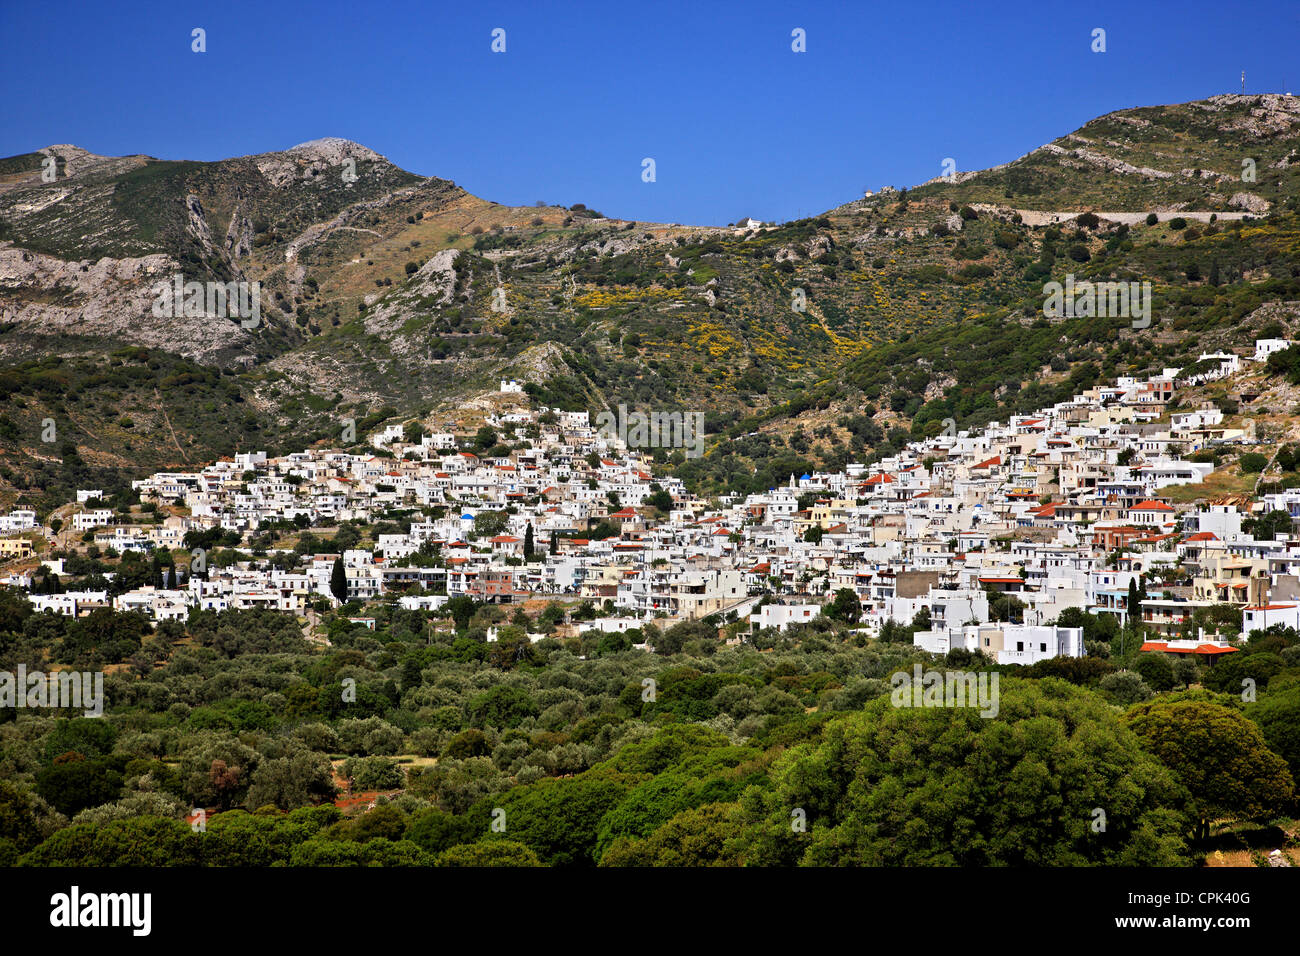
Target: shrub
{"points": [[1252, 462]]}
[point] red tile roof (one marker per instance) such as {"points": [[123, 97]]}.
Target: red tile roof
{"points": [[1199, 649]]}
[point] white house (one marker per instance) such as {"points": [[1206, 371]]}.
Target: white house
{"points": [[85, 520], [781, 616], [1266, 347], [18, 520], [1155, 513], [1262, 617], [1006, 643]]}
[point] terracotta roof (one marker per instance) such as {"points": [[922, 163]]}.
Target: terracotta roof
{"points": [[1198, 649], [1151, 506]]}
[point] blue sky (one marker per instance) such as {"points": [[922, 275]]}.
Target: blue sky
{"points": [[738, 124]]}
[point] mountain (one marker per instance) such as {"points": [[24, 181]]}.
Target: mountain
{"points": [[821, 340]]}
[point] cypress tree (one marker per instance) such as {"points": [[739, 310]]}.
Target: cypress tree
{"points": [[1134, 604], [339, 581]]}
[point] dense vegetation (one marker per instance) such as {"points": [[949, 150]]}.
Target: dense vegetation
{"points": [[783, 750]]}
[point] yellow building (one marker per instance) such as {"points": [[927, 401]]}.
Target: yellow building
{"points": [[16, 548]]}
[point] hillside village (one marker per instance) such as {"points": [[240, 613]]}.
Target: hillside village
{"points": [[979, 540]]}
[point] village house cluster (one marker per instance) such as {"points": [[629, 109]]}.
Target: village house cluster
{"points": [[1060, 509]]}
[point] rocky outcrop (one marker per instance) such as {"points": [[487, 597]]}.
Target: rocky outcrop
{"points": [[239, 236], [435, 280], [197, 224], [1102, 161], [819, 246], [1269, 114], [310, 161], [1249, 202], [111, 299]]}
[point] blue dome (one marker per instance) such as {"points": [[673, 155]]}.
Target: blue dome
{"points": [[466, 517], [805, 477]]}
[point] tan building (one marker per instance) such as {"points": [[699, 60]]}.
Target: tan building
{"points": [[16, 548]]}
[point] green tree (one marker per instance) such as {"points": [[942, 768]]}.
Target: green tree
{"points": [[435, 831], [1217, 754], [1252, 463], [1134, 604], [488, 524], [1157, 670], [73, 783], [702, 836], [25, 819], [1267, 526], [945, 786], [558, 818], [1230, 674], [846, 607], [1277, 714], [502, 706], [660, 499], [339, 581], [290, 782], [489, 853], [140, 841], [461, 609]]}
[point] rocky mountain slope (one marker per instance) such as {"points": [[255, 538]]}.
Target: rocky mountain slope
{"points": [[389, 296]]}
